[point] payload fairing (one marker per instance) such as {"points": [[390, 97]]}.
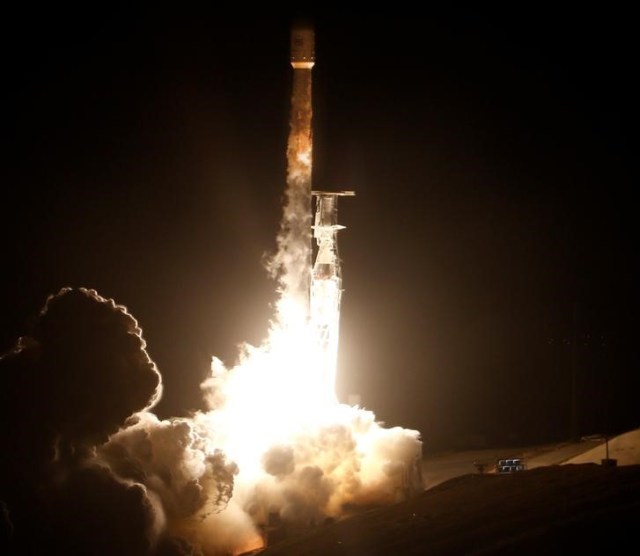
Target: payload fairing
{"points": [[303, 54]]}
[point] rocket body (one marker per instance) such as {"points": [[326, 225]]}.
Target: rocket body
{"points": [[295, 236]]}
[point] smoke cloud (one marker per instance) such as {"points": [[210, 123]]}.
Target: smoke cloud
{"points": [[90, 469], [65, 388]]}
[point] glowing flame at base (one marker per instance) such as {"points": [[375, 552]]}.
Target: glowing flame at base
{"points": [[298, 453]]}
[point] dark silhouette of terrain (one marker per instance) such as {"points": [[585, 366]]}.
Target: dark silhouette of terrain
{"points": [[560, 509]]}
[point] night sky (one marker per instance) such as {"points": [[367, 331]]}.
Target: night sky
{"points": [[488, 255]]}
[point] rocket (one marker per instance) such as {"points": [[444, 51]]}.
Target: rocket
{"points": [[316, 284], [297, 223]]}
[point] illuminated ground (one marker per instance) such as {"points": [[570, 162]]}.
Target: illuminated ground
{"points": [[555, 509]]}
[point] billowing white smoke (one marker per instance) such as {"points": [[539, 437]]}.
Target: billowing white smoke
{"points": [[209, 482], [263, 449], [193, 480]]}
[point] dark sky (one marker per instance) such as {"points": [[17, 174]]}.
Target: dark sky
{"points": [[488, 252]]}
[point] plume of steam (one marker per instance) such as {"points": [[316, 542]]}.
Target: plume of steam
{"points": [[177, 461], [92, 470], [92, 351], [75, 379], [66, 387]]}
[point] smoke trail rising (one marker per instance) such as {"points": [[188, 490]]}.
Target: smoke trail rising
{"points": [[292, 262]]}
